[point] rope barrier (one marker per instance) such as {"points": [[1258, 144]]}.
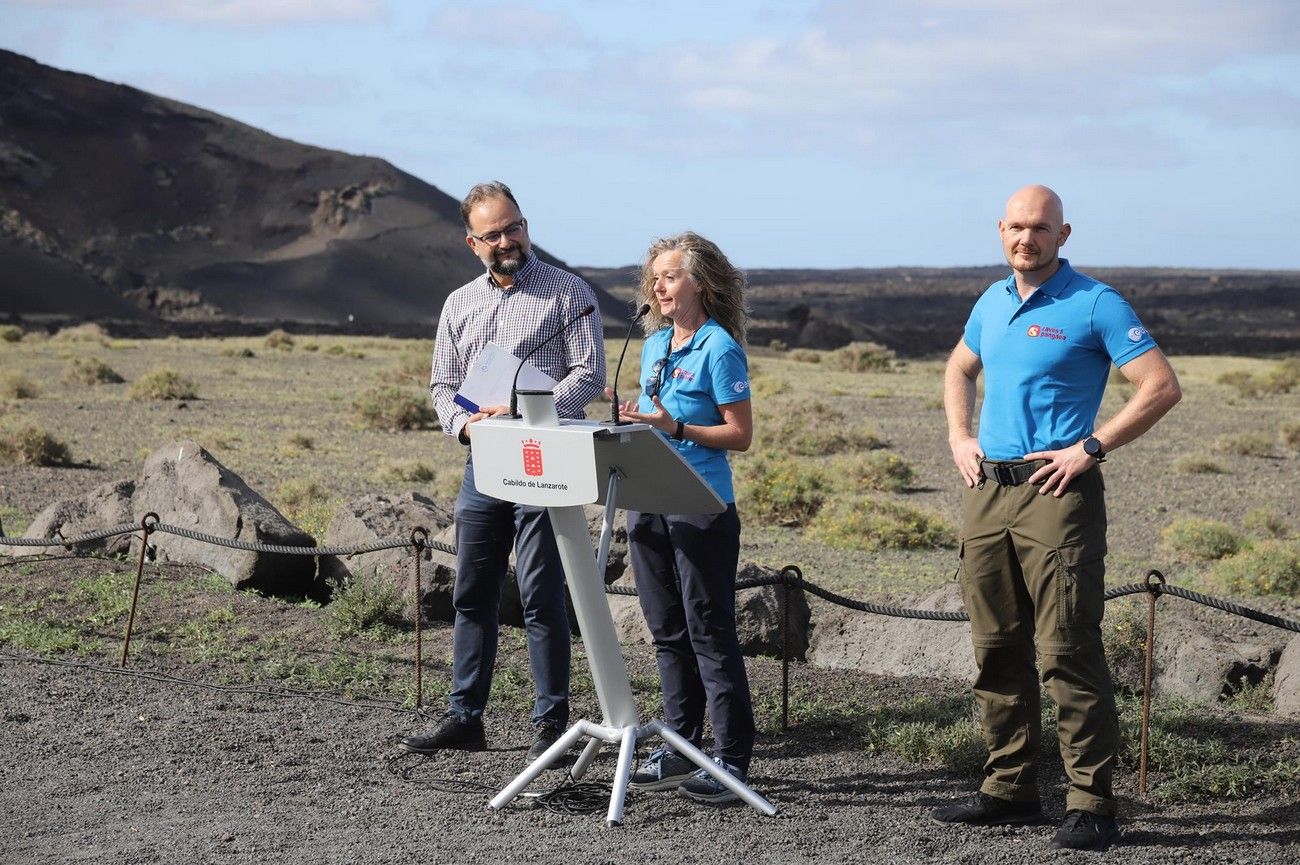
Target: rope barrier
{"points": [[580, 797], [784, 578]]}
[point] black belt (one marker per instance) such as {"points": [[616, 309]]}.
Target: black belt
{"points": [[1008, 474]]}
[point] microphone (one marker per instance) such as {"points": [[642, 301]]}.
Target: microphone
{"points": [[514, 384], [613, 405]]}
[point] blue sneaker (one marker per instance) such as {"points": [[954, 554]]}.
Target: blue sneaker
{"points": [[662, 770], [703, 787]]}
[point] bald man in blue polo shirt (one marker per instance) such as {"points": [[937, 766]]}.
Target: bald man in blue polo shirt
{"points": [[1034, 515]]}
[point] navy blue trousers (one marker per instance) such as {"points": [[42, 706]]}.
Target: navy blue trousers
{"points": [[685, 569], [485, 529]]}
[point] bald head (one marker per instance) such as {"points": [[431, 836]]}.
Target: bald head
{"points": [[1037, 198], [1033, 230]]}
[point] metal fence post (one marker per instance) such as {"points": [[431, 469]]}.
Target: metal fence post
{"points": [[1153, 592], [147, 523], [419, 541]]}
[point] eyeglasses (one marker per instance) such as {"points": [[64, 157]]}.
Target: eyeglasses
{"points": [[656, 384], [492, 238]]}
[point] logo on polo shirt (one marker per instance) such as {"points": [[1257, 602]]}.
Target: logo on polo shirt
{"points": [[740, 386], [1036, 330], [686, 374], [1135, 334]]}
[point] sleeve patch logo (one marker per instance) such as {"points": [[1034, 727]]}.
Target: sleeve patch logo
{"points": [[1135, 334], [740, 386]]}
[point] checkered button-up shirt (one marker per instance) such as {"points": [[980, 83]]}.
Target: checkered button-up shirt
{"points": [[519, 318]]}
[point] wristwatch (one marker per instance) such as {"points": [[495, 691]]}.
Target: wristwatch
{"points": [[680, 432], [1092, 447]]}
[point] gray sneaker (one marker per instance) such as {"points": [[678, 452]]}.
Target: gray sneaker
{"points": [[703, 787], [662, 770]]}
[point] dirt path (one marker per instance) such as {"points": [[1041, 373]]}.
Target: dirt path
{"points": [[106, 768]]}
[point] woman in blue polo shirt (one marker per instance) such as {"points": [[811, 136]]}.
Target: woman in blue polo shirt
{"points": [[695, 391]]}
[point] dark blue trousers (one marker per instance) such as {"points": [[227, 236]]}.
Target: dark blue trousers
{"points": [[685, 569], [485, 529]]}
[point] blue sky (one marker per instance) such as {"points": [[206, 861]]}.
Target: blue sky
{"points": [[794, 133]]}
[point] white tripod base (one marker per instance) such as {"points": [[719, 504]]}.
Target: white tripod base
{"points": [[627, 737]]}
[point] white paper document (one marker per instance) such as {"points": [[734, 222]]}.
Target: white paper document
{"points": [[489, 379]]}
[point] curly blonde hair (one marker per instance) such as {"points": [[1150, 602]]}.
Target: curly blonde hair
{"points": [[723, 284]]}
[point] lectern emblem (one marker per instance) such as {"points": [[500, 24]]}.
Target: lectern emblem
{"points": [[532, 458]]}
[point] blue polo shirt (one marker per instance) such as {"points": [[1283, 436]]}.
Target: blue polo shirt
{"points": [[711, 370], [1046, 359]]}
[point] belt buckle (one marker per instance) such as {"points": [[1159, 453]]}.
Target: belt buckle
{"points": [[1003, 474]]}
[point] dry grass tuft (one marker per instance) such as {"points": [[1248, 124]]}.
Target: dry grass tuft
{"points": [[15, 385], [90, 371], [393, 409], [163, 384], [24, 443]]}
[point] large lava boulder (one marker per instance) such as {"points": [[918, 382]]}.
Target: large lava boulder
{"points": [[188, 488], [376, 517], [105, 506]]}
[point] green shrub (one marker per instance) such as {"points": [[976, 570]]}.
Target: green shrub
{"points": [[25, 443], [813, 429], [806, 355], [1123, 637], [231, 351], [1263, 523], [1270, 567], [279, 338], [411, 368], [89, 332], [781, 491], [10, 333], [1277, 380], [1194, 465], [1248, 444], [300, 441], [1202, 539], [1290, 434], [311, 346], [297, 492], [878, 470], [1283, 377], [874, 524], [163, 383], [366, 605], [410, 471], [306, 503], [391, 408], [864, 357], [90, 370], [15, 385]]}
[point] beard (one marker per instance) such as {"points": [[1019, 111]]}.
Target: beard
{"points": [[507, 263]]}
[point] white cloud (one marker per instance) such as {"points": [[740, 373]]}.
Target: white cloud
{"points": [[928, 78], [233, 13], [502, 25]]}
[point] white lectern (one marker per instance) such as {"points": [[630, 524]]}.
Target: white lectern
{"points": [[563, 465]]}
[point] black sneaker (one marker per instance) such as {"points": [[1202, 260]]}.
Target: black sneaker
{"points": [[450, 733], [1083, 830], [982, 809], [703, 787], [662, 770], [544, 735]]}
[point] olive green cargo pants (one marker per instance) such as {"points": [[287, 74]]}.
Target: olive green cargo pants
{"points": [[1032, 572]]}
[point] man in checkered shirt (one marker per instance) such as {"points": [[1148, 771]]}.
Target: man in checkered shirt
{"points": [[517, 303]]}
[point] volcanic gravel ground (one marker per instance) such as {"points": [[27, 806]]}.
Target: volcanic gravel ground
{"points": [[100, 767]]}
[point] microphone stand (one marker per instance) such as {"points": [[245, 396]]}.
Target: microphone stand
{"points": [[613, 405], [514, 383]]}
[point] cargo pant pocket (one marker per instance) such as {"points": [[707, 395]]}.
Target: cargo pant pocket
{"points": [[1080, 587]]}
